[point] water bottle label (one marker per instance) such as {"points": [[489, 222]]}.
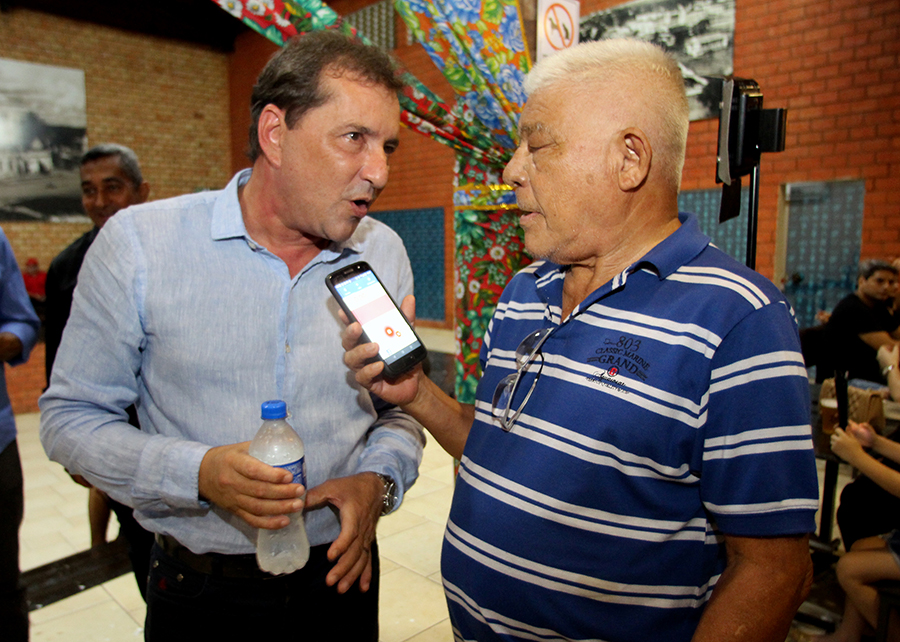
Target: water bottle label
{"points": [[297, 469]]}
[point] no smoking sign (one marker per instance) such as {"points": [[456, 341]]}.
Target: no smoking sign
{"points": [[557, 26]]}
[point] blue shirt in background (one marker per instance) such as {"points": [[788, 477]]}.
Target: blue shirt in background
{"points": [[18, 317]]}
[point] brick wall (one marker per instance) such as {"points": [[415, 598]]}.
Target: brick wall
{"points": [[167, 100]]}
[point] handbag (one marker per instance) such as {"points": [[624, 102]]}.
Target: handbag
{"points": [[863, 406]]}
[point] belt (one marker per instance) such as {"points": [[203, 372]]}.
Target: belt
{"points": [[234, 566]]}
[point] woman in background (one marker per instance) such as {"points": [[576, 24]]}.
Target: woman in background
{"points": [[871, 559]]}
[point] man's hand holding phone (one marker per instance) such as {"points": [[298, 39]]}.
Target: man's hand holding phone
{"points": [[363, 298], [369, 374]]}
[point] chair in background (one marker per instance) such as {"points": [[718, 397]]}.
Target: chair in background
{"points": [[888, 602], [816, 353]]}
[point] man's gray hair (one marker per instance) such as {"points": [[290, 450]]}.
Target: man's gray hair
{"points": [[639, 69], [128, 160]]}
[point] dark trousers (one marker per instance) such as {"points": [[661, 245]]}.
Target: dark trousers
{"points": [[183, 604], [139, 542], [13, 607]]}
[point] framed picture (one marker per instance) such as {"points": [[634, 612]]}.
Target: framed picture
{"points": [[698, 33], [43, 129]]}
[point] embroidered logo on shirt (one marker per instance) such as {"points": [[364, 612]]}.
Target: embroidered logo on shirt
{"points": [[620, 354], [608, 379]]}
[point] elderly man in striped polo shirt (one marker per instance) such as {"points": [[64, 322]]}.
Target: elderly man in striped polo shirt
{"points": [[638, 463]]}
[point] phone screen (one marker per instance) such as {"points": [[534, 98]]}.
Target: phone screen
{"points": [[382, 322]]}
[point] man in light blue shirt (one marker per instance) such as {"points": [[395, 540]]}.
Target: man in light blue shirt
{"points": [[199, 308], [19, 327]]}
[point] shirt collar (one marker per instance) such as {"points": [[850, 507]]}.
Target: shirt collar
{"points": [[664, 259], [228, 221], [675, 250]]}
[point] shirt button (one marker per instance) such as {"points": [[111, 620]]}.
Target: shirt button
{"points": [[287, 347]]}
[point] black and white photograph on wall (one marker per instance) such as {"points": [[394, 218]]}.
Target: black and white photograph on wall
{"points": [[43, 130], [698, 33]]}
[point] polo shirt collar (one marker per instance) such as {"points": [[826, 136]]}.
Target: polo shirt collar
{"points": [[664, 259], [677, 249]]}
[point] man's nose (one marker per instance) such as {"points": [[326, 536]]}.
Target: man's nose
{"points": [[376, 169], [513, 173]]}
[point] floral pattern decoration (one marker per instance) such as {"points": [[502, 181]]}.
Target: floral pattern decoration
{"points": [[489, 250], [479, 48]]}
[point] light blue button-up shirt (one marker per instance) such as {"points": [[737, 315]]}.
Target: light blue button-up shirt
{"points": [[178, 310]]}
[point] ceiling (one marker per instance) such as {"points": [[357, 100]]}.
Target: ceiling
{"points": [[197, 21]]}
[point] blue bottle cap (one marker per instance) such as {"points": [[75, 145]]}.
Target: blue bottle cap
{"points": [[275, 409]]}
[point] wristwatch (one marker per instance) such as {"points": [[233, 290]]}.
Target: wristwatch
{"points": [[389, 498]]}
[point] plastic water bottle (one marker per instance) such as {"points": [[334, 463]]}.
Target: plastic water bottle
{"points": [[287, 549]]}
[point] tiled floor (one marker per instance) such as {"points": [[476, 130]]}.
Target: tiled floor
{"points": [[412, 601], [56, 525]]}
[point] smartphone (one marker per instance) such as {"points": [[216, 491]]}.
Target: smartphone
{"points": [[363, 298]]}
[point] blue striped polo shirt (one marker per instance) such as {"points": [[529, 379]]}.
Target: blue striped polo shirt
{"points": [[671, 407]]}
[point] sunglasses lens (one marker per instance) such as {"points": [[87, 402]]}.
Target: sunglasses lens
{"points": [[529, 344], [502, 395], [506, 389]]}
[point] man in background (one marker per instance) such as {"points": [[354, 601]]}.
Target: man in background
{"points": [[19, 326], [201, 307], [863, 321], [111, 180]]}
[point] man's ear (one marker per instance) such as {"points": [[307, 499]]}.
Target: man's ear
{"points": [[270, 129], [143, 192], [636, 156]]}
